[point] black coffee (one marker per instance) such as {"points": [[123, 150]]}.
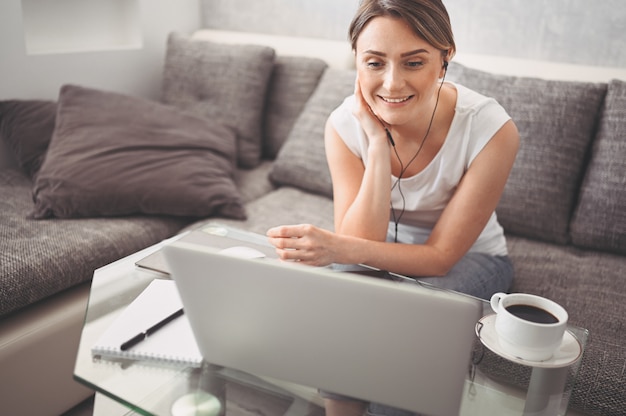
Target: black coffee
{"points": [[532, 314]]}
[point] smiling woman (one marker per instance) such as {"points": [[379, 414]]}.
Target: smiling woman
{"points": [[440, 180], [418, 164], [398, 81]]}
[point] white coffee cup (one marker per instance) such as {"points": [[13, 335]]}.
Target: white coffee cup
{"points": [[529, 327]]}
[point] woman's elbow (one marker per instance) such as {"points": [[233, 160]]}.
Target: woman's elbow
{"points": [[441, 264]]}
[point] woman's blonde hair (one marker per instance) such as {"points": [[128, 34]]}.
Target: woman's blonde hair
{"points": [[428, 18]]}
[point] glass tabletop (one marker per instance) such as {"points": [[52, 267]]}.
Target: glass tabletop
{"points": [[494, 385]]}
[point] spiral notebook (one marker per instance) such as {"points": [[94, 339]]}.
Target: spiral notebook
{"points": [[174, 342]]}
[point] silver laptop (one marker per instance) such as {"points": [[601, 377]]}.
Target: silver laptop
{"points": [[387, 342]]}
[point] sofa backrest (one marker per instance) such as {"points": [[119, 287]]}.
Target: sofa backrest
{"points": [[7, 160], [25, 130], [301, 162], [599, 221], [556, 121], [569, 179]]}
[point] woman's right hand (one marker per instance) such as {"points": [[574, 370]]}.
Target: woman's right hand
{"points": [[361, 184], [373, 126]]}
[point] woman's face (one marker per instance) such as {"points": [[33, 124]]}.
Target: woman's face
{"points": [[398, 71]]}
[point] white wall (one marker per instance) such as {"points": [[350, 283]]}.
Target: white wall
{"points": [[134, 69], [579, 32], [573, 31]]}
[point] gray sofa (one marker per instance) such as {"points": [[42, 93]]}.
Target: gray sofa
{"points": [[564, 207]]}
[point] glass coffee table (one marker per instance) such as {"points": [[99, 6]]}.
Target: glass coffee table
{"points": [[495, 384]]}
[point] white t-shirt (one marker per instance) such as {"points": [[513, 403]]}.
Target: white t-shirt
{"points": [[476, 119]]}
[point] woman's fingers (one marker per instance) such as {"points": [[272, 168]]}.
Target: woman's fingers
{"points": [[303, 243]]}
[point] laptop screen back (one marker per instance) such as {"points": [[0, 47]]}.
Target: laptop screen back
{"points": [[388, 342]]}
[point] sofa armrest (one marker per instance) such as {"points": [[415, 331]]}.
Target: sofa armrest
{"points": [[38, 348]]}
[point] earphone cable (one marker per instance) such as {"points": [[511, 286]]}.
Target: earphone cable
{"points": [[404, 168]]}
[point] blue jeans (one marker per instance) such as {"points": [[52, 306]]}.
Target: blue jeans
{"points": [[476, 274]]}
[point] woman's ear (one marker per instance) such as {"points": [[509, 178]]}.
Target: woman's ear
{"points": [[444, 66]]}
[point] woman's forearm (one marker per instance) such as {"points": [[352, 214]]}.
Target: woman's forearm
{"points": [[368, 215], [406, 259]]}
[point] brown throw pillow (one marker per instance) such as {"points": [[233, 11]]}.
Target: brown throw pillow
{"points": [[114, 155]]}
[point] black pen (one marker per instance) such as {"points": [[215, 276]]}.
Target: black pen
{"points": [[140, 337]]}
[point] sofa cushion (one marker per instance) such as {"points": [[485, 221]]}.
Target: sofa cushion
{"points": [[112, 154], [285, 205], [254, 183], [41, 258], [221, 82], [293, 81], [556, 121], [27, 127], [301, 161], [600, 218]]}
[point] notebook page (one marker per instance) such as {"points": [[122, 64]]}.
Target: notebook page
{"points": [[174, 342]]}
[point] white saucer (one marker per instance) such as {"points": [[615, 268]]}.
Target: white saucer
{"points": [[569, 351]]}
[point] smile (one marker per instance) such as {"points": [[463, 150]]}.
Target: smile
{"points": [[396, 100]]}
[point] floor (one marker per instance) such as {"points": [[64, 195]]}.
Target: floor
{"points": [[100, 405], [83, 409], [244, 402], [86, 409]]}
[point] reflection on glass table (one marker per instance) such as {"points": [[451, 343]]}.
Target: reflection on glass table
{"points": [[494, 384]]}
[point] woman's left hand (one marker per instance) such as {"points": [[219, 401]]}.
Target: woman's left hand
{"points": [[304, 243]]}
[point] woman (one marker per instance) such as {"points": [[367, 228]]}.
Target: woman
{"points": [[418, 164]]}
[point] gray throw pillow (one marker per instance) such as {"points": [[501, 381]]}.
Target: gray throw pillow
{"points": [[301, 162], [114, 155], [26, 126], [225, 83], [600, 218], [556, 121], [293, 81]]}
